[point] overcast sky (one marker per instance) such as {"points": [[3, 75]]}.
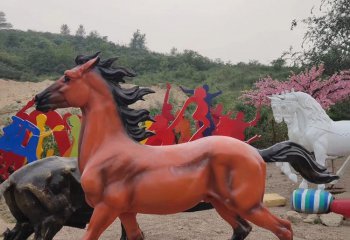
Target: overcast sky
{"points": [[232, 30]]}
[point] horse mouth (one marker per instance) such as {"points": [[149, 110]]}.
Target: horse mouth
{"points": [[278, 119], [42, 104], [44, 108]]}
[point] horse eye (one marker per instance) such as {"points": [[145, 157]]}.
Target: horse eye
{"points": [[66, 79]]}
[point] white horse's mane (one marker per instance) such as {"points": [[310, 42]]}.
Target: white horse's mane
{"points": [[310, 107]]}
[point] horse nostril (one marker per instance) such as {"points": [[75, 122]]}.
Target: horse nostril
{"points": [[41, 97]]}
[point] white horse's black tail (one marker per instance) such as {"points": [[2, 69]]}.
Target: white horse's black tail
{"points": [[300, 159]]}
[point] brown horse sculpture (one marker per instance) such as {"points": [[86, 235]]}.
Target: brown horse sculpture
{"points": [[121, 177]]}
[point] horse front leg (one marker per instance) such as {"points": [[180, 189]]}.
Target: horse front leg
{"points": [[103, 216], [288, 172], [304, 184], [131, 226], [342, 169]]}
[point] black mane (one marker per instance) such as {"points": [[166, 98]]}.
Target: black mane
{"points": [[122, 96]]}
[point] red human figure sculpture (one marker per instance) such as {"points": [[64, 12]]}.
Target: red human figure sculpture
{"points": [[216, 113], [183, 130], [167, 107], [199, 115], [163, 135], [121, 177], [236, 127]]}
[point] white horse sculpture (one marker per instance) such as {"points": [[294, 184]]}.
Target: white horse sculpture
{"points": [[309, 125]]}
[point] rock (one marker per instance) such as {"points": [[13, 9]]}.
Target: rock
{"points": [[332, 219], [294, 217], [312, 219], [274, 200]]}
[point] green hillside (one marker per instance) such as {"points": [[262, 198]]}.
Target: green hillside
{"points": [[34, 56]]}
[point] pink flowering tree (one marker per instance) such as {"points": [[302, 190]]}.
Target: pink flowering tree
{"points": [[327, 91]]}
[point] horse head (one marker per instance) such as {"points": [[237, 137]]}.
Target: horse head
{"points": [[276, 108], [306, 106], [70, 90], [91, 78], [282, 109]]}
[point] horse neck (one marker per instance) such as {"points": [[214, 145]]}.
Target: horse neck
{"points": [[293, 129], [307, 118], [302, 119], [101, 125]]}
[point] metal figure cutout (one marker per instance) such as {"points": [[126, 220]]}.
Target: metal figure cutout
{"points": [[75, 124], [14, 138], [199, 115], [235, 127], [9, 163], [183, 130], [121, 177], [163, 135], [167, 107], [54, 119], [40, 122], [209, 100]]}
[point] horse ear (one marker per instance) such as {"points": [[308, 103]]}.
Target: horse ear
{"points": [[89, 64], [273, 97]]}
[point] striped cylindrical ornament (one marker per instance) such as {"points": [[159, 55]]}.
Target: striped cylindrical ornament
{"points": [[311, 201]]}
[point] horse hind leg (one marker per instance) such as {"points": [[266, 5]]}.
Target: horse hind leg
{"points": [[50, 227], [262, 217], [131, 226], [19, 232], [241, 228]]}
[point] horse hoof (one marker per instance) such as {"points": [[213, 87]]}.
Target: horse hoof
{"points": [[334, 182], [241, 234], [293, 178], [303, 185]]}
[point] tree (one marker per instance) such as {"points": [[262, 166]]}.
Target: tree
{"points": [[138, 41], [278, 63], [326, 91], [94, 34], [80, 31], [3, 23], [173, 51], [327, 37], [65, 29]]}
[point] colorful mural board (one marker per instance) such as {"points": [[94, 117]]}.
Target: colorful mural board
{"points": [[23, 139]]}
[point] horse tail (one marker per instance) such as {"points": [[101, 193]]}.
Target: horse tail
{"points": [[300, 159]]}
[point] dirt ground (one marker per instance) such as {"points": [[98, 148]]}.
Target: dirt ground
{"points": [[205, 225]]}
